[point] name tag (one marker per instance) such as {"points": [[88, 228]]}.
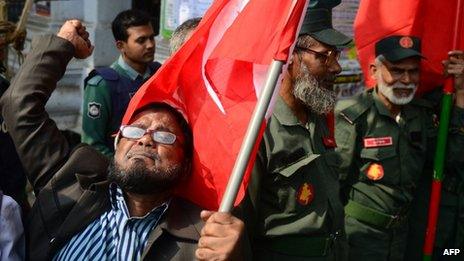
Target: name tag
{"points": [[378, 142]]}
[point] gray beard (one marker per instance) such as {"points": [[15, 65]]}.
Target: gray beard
{"points": [[309, 90], [140, 180]]}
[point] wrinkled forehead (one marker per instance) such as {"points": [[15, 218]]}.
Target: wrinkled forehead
{"points": [[155, 117]]}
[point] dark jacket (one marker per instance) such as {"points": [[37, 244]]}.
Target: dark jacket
{"points": [[71, 186]]}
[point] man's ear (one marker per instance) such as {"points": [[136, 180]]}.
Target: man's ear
{"points": [[372, 71], [294, 61], [119, 44]]}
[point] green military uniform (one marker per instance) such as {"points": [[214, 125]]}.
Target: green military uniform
{"points": [[294, 191], [450, 226], [99, 121], [295, 211], [383, 161]]}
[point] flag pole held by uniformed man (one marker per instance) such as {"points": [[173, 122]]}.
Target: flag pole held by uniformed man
{"points": [[250, 138], [439, 160], [251, 135]]}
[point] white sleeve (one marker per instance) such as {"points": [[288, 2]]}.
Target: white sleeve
{"points": [[12, 242]]}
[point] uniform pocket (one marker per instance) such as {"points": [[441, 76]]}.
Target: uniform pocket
{"points": [[380, 164], [378, 154], [290, 169]]}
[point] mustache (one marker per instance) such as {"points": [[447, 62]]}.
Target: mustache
{"points": [[152, 155], [330, 77], [399, 85]]}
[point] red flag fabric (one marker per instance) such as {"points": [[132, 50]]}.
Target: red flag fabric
{"points": [[214, 79], [433, 21]]}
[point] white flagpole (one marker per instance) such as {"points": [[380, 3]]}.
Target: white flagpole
{"points": [[251, 135], [241, 163]]}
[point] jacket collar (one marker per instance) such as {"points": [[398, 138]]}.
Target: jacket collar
{"points": [[283, 113], [182, 220]]}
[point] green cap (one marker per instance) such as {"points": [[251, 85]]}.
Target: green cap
{"points": [[398, 47], [318, 23]]}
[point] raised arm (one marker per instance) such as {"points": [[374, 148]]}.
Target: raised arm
{"points": [[40, 145]]}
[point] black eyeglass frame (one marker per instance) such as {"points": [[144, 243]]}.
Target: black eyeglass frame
{"points": [[334, 54]]}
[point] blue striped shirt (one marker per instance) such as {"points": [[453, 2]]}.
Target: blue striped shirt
{"points": [[114, 235]]}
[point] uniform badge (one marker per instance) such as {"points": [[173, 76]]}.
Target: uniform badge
{"points": [[93, 110], [378, 142], [329, 142], [305, 194], [375, 171], [406, 42]]}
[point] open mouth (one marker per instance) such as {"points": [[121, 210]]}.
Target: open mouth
{"points": [[144, 154], [403, 92]]}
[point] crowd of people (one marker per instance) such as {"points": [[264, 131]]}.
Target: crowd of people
{"points": [[358, 190]]}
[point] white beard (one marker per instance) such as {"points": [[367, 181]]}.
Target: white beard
{"points": [[309, 90], [388, 91]]}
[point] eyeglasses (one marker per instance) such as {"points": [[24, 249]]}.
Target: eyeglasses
{"points": [[134, 132], [329, 56]]}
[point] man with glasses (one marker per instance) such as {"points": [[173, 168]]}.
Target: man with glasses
{"points": [[293, 204], [386, 139], [91, 208]]}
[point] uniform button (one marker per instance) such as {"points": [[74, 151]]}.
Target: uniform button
{"points": [[53, 240]]}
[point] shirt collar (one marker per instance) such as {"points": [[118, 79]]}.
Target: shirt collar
{"points": [[379, 104], [118, 203], [406, 110], [130, 71], [284, 114]]}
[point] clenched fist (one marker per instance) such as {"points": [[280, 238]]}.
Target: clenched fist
{"points": [[74, 31]]}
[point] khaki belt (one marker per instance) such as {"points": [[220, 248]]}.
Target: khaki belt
{"points": [[372, 216]]}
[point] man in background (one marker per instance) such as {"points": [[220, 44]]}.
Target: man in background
{"points": [[108, 90]]}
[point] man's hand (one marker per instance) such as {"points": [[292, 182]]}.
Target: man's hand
{"points": [[74, 31], [220, 237], [455, 66]]}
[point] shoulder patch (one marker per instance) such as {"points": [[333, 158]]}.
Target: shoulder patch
{"points": [[95, 80], [93, 110], [352, 108]]}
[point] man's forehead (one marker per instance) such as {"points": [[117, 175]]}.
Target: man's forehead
{"points": [[151, 116], [139, 30], [411, 62]]}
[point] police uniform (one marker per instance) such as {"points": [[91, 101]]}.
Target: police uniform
{"points": [[106, 96], [386, 162]]}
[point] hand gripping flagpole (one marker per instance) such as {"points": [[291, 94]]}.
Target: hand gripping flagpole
{"points": [[441, 146], [250, 137]]}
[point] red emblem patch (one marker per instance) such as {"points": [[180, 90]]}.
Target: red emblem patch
{"points": [[305, 194], [375, 171], [329, 142], [406, 42], [378, 142]]}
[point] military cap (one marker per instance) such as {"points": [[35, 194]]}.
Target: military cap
{"points": [[318, 23], [398, 47]]}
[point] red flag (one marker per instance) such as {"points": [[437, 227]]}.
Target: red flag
{"points": [[433, 21], [214, 80]]}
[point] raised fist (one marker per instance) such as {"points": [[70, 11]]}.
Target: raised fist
{"points": [[74, 31]]}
